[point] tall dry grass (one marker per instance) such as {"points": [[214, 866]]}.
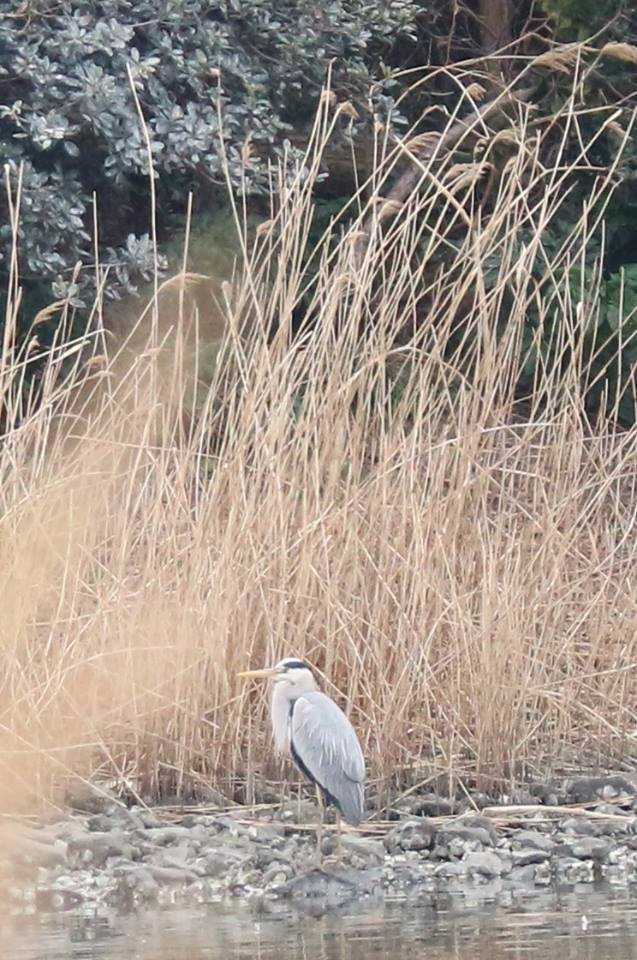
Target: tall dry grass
{"points": [[368, 493]]}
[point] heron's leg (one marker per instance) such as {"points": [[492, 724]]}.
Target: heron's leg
{"points": [[339, 846], [319, 829]]}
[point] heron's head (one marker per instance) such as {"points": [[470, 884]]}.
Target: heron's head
{"points": [[295, 676]]}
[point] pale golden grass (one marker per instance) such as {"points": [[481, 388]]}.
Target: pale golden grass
{"points": [[365, 494]]}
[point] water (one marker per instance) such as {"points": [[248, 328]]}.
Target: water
{"points": [[592, 925]]}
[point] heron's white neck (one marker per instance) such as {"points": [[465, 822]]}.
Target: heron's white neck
{"points": [[284, 694]]}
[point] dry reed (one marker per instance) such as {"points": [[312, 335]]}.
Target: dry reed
{"points": [[365, 494]]}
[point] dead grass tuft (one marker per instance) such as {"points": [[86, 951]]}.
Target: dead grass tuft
{"points": [[367, 495]]}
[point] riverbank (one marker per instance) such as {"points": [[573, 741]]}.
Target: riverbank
{"points": [[122, 857]]}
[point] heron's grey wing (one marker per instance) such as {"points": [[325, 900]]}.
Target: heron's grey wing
{"points": [[327, 745]]}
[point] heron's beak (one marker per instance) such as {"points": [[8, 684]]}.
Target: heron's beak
{"points": [[268, 672]]}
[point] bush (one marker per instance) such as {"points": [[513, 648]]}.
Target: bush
{"points": [[378, 510], [226, 87], [233, 78]]}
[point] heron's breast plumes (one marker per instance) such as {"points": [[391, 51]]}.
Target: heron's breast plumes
{"points": [[280, 710]]}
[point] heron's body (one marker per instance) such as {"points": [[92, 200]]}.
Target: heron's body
{"points": [[317, 735]]}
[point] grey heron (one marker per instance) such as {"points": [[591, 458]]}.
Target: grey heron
{"points": [[316, 734]]}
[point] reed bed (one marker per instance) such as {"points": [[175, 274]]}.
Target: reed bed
{"points": [[368, 490]]}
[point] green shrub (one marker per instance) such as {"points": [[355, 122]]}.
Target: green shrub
{"points": [[232, 72]]}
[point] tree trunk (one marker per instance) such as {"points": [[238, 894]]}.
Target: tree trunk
{"points": [[496, 17]]}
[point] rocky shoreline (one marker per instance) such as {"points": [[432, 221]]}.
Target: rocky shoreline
{"points": [[120, 857]]}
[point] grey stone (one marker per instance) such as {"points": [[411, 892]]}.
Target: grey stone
{"points": [[521, 858], [102, 823], [299, 811], [320, 885], [163, 836], [543, 874], [24, 849], [201, 822], [587, 848], [57, 898], [533, 838], [179, 856], [486, 864], [217, 862], [612, 810], [91, 797], [266, 832], [426, 805], [97, 848], [616, 873], [451, 869], [133, 883], [585, 789], [413, 835], [523, 875], [580, 826], [571, 870], [171, 874], [278, 873], [363, 847], [472, 829]]}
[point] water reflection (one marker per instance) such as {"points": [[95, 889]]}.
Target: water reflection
{"points": [[543, 928]]}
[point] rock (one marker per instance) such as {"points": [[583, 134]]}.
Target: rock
{"points": [[266, 832], [586, 848], [571, 870], [455, 840], [171, 874], [477, 829], [451, 869], [57, 898], [585, 789], [618, 855], [90, 797], [413, 835], [359, 852], [534, 839], [248, 877], [612, 810], [205, 793], [30, 848], [264, 856], [179, 857], [543, 874], [144, 817], [523, 875], [581, 827], [521, 858], [216, 862], [427, 805], [205, 821], [544, 793], [299, 811], [486, 864], [101, 823], [278, 873], [97, 848], [163, 836], [616, 873], [133, 883], [319, 885]]}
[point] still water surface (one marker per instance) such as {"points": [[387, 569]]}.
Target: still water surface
{"points": [[592, 925]]}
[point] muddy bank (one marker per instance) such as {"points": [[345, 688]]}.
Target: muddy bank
{"points": [[121, 857]]}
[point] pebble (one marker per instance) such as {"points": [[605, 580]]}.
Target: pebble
{"points": [[413, 835], [486, 865], [534, 839], [131, 856], [522, 858], [587, 848]]}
